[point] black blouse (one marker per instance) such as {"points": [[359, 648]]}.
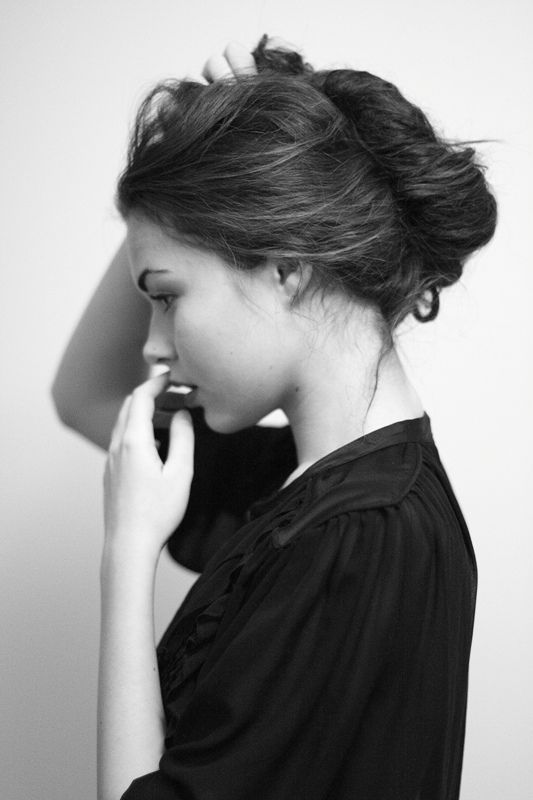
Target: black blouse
{"points": [[323, 652]]}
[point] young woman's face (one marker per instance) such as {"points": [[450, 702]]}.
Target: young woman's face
{"points": [[225, 332]]}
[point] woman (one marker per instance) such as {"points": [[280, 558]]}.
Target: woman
{"points": [[281, 222]]}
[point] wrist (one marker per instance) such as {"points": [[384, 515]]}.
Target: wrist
{"points": [[121, 553]]}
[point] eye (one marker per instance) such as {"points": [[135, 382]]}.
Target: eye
{"points": [[166, 300]]}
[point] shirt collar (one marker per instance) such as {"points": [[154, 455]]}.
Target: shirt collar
{"points": [[372, 487]]}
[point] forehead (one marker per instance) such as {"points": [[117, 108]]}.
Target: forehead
{"points": [[152, 251], [146, 240]]}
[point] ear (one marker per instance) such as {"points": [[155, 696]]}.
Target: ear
{"points": [[292, 279]]}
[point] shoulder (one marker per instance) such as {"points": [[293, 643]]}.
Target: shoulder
{"points": [[401, 487]]}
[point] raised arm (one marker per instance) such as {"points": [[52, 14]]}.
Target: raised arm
{"points": [[103, 359]]}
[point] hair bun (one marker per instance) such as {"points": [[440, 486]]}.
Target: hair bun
{"points": [[276, 57], [442, 196]]}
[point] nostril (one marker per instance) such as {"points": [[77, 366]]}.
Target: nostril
{"points": [[153, 359], [149, 356]]}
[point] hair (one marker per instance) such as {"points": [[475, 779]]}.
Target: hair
{"points": [[332, 168]]}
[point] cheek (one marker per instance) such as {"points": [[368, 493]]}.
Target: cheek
{"points": [[226, 345], [205, 342]]}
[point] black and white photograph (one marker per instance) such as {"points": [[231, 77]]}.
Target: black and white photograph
{"points": [[267, 450]]}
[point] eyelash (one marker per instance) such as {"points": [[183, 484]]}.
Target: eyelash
{"points": [[164, 300]]}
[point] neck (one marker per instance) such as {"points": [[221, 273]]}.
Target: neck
{"points": [[336, 398]]}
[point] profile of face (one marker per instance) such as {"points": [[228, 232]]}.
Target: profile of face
{"points": [[231, 334]]}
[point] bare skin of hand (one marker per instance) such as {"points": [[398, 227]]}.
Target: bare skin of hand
{"points": [[144, 498], [236, 60]]}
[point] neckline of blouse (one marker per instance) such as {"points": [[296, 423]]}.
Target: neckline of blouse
{"points": [[416, 429]]}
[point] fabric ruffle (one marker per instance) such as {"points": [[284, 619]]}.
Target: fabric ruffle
{"points": [[179, 667], [197, 626]]}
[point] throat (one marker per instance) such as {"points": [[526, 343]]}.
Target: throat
{"points": [[333, 412]]}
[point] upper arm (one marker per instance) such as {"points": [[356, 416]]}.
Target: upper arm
{"points": [[95, 422]]}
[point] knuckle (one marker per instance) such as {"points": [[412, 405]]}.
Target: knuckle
{"points": [[231, 49], [130, 440], [218, 67]]}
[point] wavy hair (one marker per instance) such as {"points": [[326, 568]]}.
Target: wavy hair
{"points": [[333, 168]]}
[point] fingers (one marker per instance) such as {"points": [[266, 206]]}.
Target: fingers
{"points": [[236, 60], [120, 424], [239, 58], [134, 423], [142, 407], [216, 69], [180, 457], [195, 78]]}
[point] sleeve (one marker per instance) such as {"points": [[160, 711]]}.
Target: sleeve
{"points": [[231, 472], [305, 693]]}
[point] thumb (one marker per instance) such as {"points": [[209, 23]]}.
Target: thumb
{"points": [[180, 455]]}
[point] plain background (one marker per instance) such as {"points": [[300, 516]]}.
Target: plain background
{"points": [[73, 74]]}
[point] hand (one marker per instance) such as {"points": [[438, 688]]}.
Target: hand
{"points": [[144, 499], [236, 60]]}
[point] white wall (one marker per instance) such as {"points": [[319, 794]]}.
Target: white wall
{"points": [[72, 76]]}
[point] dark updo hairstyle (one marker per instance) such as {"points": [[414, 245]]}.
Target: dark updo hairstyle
{"points": [[331, 168]]}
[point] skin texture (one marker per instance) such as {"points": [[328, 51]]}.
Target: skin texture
{"points": [[238, 337], [230, 334], [235, 60], [141, 493]]}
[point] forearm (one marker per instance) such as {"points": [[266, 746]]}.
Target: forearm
{"points": [[130, 710], [103, 360]]}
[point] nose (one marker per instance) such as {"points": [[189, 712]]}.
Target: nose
{"points": [[159, 346]]}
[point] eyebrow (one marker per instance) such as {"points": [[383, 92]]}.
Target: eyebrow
{"points": [[141, 282]]}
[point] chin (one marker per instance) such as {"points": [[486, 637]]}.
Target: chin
{"points": [[227, 423]]}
